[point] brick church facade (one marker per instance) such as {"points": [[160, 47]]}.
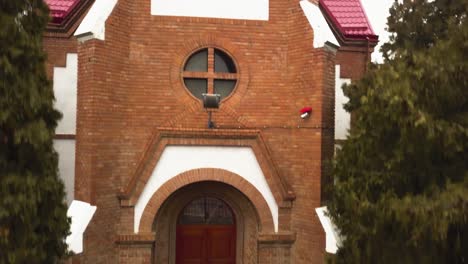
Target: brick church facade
{"points": [[134, 141]]}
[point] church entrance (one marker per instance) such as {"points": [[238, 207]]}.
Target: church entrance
{"points": [[206, 222], [206, 233]]}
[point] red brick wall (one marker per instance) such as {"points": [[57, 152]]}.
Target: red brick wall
{"points": [[57, 49], [354, 60], [130, 254], [102, 150], [328, 117], [129, 84]]}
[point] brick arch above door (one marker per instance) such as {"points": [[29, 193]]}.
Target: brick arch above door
{"points": [[179, 165], [252, 140], [203, 175]]}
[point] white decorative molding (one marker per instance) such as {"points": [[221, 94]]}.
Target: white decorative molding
{"points": [[322, 32], [93, 25], [178, 159], [81, 214], [332, 239], [238, 9], [65, 91], [342, 117]]}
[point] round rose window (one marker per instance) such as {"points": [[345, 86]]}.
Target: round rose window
{"points": [[212, 71]]}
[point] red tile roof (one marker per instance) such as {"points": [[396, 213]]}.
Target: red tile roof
{"points": [[349, 18], [60, 9]]}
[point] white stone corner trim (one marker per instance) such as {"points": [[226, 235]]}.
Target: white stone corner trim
{"points": [[228, 9], [65, 91], [93, 25], [322, 32], [342, 117], [66, 164], [331, 233], [81, 214], [178, 159]]}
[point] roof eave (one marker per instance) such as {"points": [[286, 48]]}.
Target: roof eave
{"points": [[66, 25], [370, 40]]}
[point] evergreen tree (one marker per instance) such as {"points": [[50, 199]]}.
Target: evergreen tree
{"points": [[401, 192], [33, 221]]}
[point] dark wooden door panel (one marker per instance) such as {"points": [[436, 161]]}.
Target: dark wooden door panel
{"points": [[190, 245], [206, 244], [221, 246]]}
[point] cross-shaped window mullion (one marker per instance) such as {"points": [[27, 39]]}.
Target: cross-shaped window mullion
{"points": [[225, 76], [201, 75], [196, 75], [211, 75], [210, 70]]}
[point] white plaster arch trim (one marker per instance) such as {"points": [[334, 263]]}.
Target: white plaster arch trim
{"points": [[322, 31], [175, 160], [93, 25]]}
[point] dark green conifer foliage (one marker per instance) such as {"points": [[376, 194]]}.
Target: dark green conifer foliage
{"points": [[33, 221], [401, 192]]}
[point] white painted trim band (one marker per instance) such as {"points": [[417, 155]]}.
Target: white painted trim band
{"points": [[228, 9], [66, 93], [342, 117]]}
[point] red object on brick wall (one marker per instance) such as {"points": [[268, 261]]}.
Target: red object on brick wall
{"points": [[306, 109]]}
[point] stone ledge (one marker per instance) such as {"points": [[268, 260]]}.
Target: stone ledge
{"points": [[145, 238], [285, 238]]}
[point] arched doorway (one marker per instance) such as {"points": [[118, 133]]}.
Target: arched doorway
{"points": [[206, 232], [245, 217]]}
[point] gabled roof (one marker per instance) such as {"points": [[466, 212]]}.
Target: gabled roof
{"points": [[347, 17], [349, 20], [60, 9]]}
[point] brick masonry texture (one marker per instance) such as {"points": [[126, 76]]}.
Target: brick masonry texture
{"points": [[130, 85], [57, 49]]}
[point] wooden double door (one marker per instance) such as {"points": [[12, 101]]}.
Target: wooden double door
{"points": [[206, 233]]}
